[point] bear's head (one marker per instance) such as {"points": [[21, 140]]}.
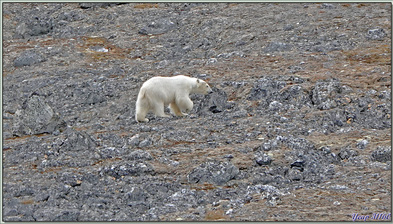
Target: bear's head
{"points": [[202, 87]]}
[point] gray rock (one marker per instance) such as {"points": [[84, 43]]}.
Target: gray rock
{"points": [[94, 97], [71, 16], [295, 174], [145, 143], [213, 172], [327, 6], [266, 89], [21, 30], [139, 155], [382, 154], [128, 169], [275, 106], [294, 69], [297, 143], [347, 153], [211, 61], [158, 27], [96, 5], [362, 144], [7, 135], [77, 141], [288, 27], [134, 140], [324, 93], [231, 54], [109, 152], [28, 58], [38, 117], [55, 214], [215, 102], [137, 194], [277, 47], [376, 34], [263, 159], [40, 26]]}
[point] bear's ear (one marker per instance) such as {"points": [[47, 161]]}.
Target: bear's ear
{"points": [[198, 81]]}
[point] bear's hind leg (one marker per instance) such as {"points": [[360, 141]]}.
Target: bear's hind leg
{"points": [[175, 109], [158, 109], [141, 111]]}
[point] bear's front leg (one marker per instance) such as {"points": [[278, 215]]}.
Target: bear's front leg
{"points": [[185, 105]]}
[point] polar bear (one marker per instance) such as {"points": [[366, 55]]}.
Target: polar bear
{"points": [[158, 92]]}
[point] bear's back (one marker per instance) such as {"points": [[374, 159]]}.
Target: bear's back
{"points": [[160, 80]]}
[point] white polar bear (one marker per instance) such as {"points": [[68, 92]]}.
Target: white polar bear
{"points": [[158, 92]]}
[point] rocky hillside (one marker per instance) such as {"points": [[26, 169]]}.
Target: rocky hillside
{"points": [[298, 127]]}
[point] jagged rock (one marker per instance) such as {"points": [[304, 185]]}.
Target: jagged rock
{"points": [[140, 155], [215, 102], [40, 26], [324, 93], [346, 153], [128, 169], [382, 154], [213, 172], [265, 90], [37, 117], [77, 141]]}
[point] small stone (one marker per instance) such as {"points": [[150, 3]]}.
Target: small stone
{"points": [[299, 165], [347, 153], [382, 154], [99, 49], [362, 144], [263, 159], [230, 211], [134, 140], [288, 27], [376, 34], [229, 156], [211, 61], [145, 143], [327, 6], [275, 106]]}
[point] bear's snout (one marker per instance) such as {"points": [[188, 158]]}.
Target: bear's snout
{"points": [[209, 91]]}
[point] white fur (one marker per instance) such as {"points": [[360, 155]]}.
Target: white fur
{"points": [[158, 92]]}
